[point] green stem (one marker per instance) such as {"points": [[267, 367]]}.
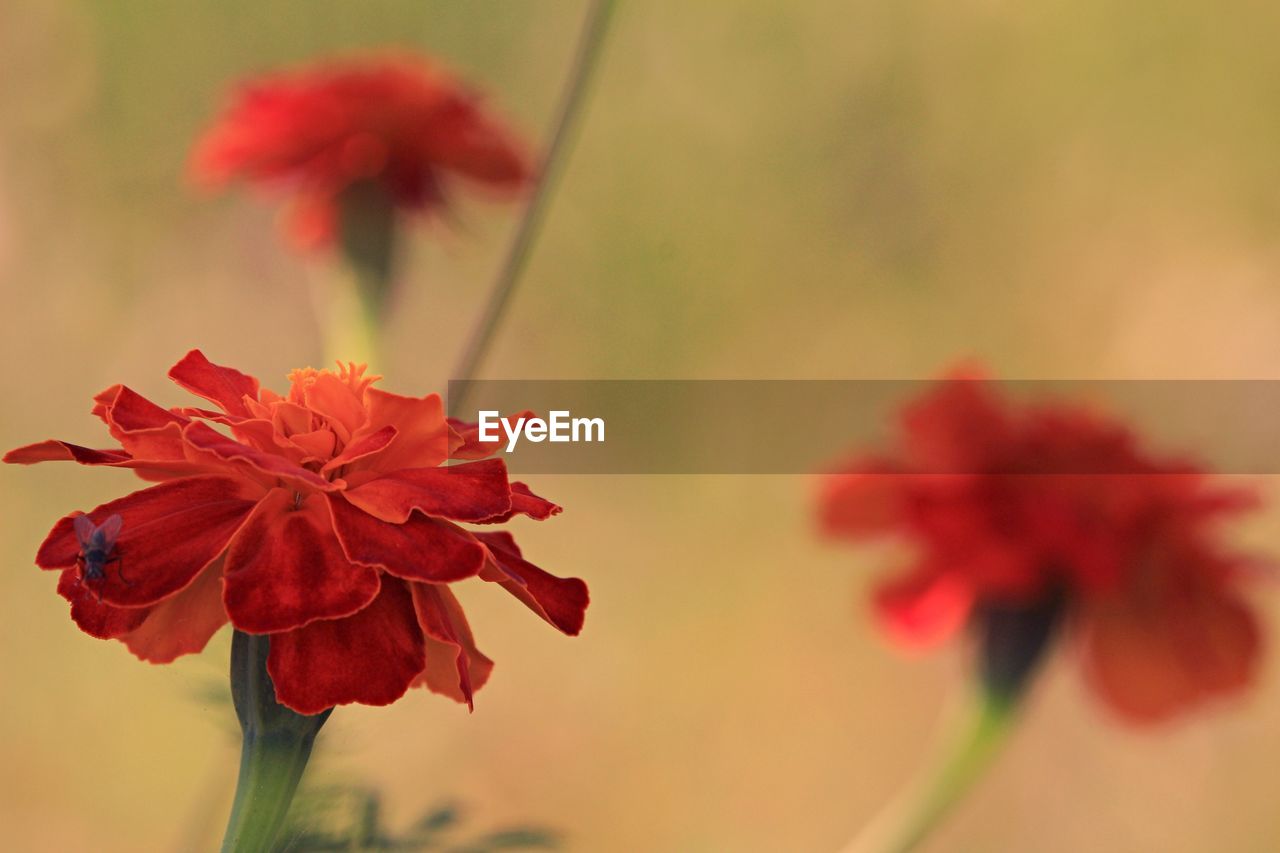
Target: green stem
{"points": [[903, 827], [588, 52], [277, 745], [358, 306]]}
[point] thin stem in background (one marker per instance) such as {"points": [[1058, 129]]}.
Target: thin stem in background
{"points": [[584, 63], [906, 824]]}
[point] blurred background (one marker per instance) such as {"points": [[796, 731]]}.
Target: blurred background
{"points": [[760, 190]]}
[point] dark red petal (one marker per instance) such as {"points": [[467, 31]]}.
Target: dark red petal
{"points": [[865, 502], [454, 667], [922, 608], [62, 451], [471, 492], [97, 618], [1148, 661], [171, 532], [371, 657], [181, 625], [420, 549], [525, 502], [957, 428], [208, 443], [285, 568], [360, 447], [129, 411], [53, 450], [560, 601], [222, 386]]}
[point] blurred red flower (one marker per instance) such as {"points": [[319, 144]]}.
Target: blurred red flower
{"points": [[1030, 518], [401, 122], [324, 519]]}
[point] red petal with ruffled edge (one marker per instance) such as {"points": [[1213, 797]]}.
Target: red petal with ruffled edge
{"points": [[53, 450], [370, 657], [171, 532], [97, 618], [145, 431], [865, 502], [471, 492], [1150, 661], [285, 568], [225, 387], [181, 625], [209, 444], [420, 549], [525, 502], [922, 608], [422, 439], [560, 601], [455, 667], [361, 447]]}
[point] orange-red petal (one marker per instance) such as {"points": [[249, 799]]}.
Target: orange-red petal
{"points": [[454, 667], [422, 436], [369, 657], [1150, 662], [560, 601], [923, 608], [285, 568], [183, 624], [419, 549], [170, 533], [97, 618], [212, 447], [525, 502], [225, 387], [471, 492]]}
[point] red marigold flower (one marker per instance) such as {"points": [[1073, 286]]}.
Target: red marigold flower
{"points": [[402, 122], [1027, 518], [324, 518]]}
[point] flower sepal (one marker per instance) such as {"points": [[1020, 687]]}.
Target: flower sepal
{"points": [[277, 745], [1012, 641]]}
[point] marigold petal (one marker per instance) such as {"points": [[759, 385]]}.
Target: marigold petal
{"points": [[209, 445], [560, 601], [183, 624], [332, 397], [128, 411], [170, 533], [370, 657], [1149, 663], [225, 387], [419, 549], [52, 450], [361, 446], [97, 618], [923, 608], [422, 439], [472, 492], [863, 503], [525, 502], [285, 568], [454, 666]]}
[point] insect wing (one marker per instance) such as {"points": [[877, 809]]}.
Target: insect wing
{"points": [[85, 530], [105, 536]]}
